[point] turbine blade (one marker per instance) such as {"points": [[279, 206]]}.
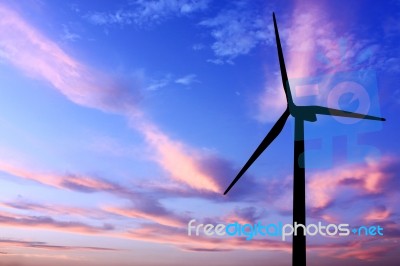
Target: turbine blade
{"points": [[272, 134], [335, 112], [285, 79]]}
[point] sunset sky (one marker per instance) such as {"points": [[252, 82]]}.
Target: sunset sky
{"points": [[120, 121]]}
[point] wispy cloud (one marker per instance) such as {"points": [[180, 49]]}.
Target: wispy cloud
{"points": [[55, 209], [39, 57], [82, 183], [179, 237], [157, 84], [45, 222], [369, 179], [68, 35], [187, 80], [143, 205], [168, 80], [236, 31], [380, 213], [141, 12], [361, 250], [177, 159], [45, 245], [150, 211], [198, 46], [364, 250]]}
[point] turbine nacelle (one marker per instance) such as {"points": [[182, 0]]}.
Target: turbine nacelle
{"points": [[301, 113], [309, 113]]}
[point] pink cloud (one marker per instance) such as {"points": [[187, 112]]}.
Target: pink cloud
{"points": [[55, 209], [361, 250], [179, 237], [39, 57], [43, 222], [68, 181], [368, 178], [43, 245], [179, 160], [377, 214], [148, 209], [144, 206]]}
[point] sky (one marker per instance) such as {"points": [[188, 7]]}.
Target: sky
{"points": [[121, 121]]}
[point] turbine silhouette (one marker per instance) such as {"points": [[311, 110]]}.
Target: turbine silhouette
{"points": [[300, 114]]}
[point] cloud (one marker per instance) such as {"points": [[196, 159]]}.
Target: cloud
{"points": [[246, 215], [68, 35], [367, 179], [180, 238], [39, 57], [150, 212], [143, 205], [198, 47], [80, 183], [44, 222], [377, 214], [236, 31], [179, 160], [364, 250], [218, 61], [160, 83], [187, 80], [157, 84], [141, 12], [251, 188], [361, 250], [44, 245], [55, 210], [88, 184]]}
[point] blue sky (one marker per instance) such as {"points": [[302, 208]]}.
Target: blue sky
{"points": [[121, 121]]}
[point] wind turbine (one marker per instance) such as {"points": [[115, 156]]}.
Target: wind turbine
{"points": [[300, 114]]}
